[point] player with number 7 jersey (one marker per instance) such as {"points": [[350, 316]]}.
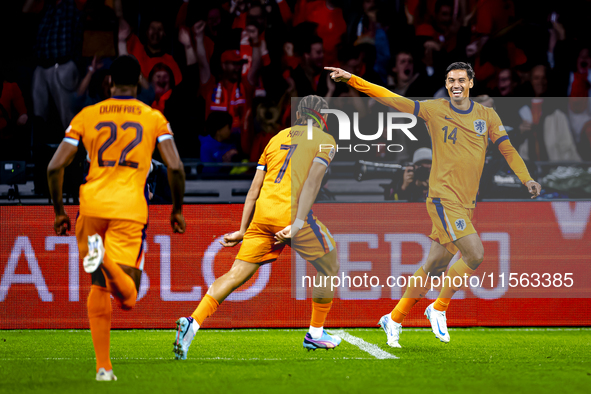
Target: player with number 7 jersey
{"points": [[277, 212]]}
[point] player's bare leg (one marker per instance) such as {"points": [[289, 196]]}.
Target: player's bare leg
{"points": [[326, 267], [418, 286], [223, 286], [472, 255], [99, 315]]}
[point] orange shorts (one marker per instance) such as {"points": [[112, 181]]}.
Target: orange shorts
{"points": [[123, 239], [451, 221], [312, 242]]}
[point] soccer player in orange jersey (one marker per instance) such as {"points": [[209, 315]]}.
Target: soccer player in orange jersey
{"points": [[277, 211], [459, 130], [119, 135]]}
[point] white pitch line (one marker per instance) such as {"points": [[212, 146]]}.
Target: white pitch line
{"points": [[365, 346]]}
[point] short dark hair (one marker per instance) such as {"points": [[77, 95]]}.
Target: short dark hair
{"points": [[460, 66], [307, 42], [125, 70], [217, 120]]}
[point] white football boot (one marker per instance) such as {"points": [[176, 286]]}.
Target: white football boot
{"points": [[438, 323], [392, 330], [96, 253], [104, 376]]}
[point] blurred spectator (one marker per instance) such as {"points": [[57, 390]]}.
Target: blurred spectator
{"points": [[442, 29], [228, 92], [309, 77], [13, 117], [94, 87], [162, 81], [580, 79], [150, 53], [533, 116], [507, 82], [217, 146], [406, 81], [366, 29], [100, 29], [255, 21], [491, 16], [268, 115], [331, 25], [58, 45]]}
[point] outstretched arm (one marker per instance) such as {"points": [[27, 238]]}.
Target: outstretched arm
{"points": [[380, 93], [234, 238], [518, 166]]}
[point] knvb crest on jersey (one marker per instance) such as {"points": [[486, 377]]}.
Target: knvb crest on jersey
{"points": [[480, 126], [460, 224]]}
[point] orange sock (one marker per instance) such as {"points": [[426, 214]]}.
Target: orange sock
{"points": [[119, 284], [206, 308], [319, 313], [441, 304], [99, 314], [459, 269], [417, 288]]}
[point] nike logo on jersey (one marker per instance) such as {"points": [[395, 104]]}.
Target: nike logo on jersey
{"points": [[446, 118]]}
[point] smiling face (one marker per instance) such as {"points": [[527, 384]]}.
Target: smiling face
{"points": [[458, 85], [161, 82]]}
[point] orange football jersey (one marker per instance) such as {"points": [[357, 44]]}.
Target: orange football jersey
{"points": [[459, 140], [287, 159], [120, 135]]}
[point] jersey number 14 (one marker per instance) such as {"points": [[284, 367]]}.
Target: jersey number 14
{"points": [[452, 136]]}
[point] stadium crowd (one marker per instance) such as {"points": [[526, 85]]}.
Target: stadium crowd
{"points": [[223, 72]]}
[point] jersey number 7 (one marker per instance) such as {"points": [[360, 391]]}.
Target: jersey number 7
{"points": [[139, 130], [291, 149]]}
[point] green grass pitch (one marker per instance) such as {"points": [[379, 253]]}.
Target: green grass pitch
{"points": [[477, 360]]}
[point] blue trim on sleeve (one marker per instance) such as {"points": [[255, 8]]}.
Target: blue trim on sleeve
{"points": [[501, 139], [324, 161], [417, 108], [459, 111]]}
